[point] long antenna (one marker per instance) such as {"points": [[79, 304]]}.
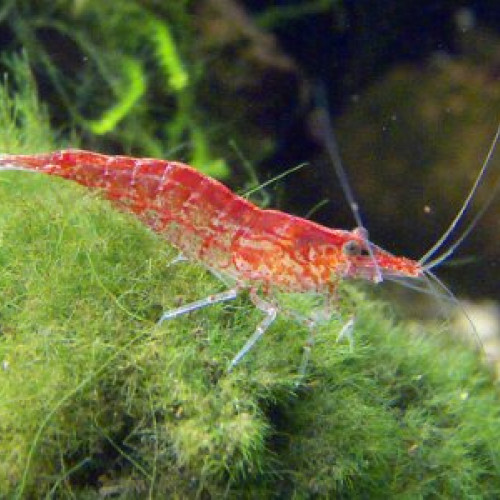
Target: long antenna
{"points": [[327, 136], [460, 213], [435, 262]]}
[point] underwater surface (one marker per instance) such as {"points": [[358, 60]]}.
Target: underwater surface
{"points": [[98, 400]]}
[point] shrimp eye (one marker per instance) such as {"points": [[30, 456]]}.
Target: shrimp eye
{"points": [[351, 248]]}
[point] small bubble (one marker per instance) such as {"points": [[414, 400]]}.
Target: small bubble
{"points": [[465, 19]]}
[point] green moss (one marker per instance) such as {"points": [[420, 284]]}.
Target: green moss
{"points": [[95, 397], [92, 388], [24, 121]]}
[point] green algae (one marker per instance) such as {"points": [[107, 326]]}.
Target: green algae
{"points": [[24, 121]]}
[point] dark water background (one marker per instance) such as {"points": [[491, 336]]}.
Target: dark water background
{"points": [[414, 92]]}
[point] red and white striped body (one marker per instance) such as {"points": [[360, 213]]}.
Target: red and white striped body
{"points": [[210, 224]]}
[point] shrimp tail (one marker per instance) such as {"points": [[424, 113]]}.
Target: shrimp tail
{"points": [[83, 167]]}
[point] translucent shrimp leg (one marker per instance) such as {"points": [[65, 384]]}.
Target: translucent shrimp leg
{"points": [[271, 311], [306, 354], [207, 301], [180, 258], [346, 331]]}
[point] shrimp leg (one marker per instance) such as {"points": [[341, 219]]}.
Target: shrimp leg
{"points": [[271, 311], [207, 301], [180, 258], [346, 331], [306, 354]]}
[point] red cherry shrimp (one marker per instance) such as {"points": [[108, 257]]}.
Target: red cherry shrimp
{"points": [[262, 251]]}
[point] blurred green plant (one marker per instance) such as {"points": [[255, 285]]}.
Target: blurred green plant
{"points": [[116, 74], [96, 400], [24, 121], [128, 98], [275, 16]]}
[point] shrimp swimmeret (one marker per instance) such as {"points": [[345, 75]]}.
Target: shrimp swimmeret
{"points": [[262, 251]]}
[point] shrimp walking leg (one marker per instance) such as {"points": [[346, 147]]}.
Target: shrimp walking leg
{"points": [[306, 354], [211, 299], [180, 258], [271, 311], [346, 331]]}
